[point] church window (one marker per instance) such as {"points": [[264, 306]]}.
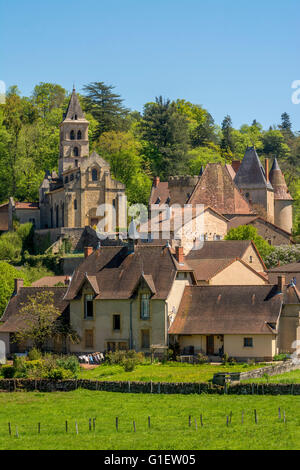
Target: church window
{"points": [[72, 135], [79, 135], [75, 117], [94, 174], [76, 163], [66, 179], [75, 204], [72, 177], [76, 152]]}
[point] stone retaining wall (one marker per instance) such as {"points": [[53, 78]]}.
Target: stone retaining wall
{"points": [[270, 370], [44, 385]]}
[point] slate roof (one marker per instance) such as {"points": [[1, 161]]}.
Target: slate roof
{"points": [[118, 272], [216, 189], [227, 310], [74, 108], [13, 322], [251, 173]]}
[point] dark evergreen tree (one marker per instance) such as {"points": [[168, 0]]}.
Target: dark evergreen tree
{"points": [[167, 134], [204, 133], [106, 107], [227, 142]]}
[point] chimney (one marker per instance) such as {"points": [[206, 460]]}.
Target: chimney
{"points": [[156, 181], [235, 165], [267, 169], [281, 283], [88, 250], [179, 254], [18, 284]]}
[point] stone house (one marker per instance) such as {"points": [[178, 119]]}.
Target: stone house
{"points": [[242, 321]]}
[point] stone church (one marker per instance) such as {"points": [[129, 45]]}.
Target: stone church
{"points": [[83, 183]]}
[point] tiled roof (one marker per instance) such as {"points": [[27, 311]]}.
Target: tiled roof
{"points": [[216, 189], [27, 205], [13, 322], [222, 249], [241, 220], [160, 193], [49, 281], [278, 182], [118, 271], [227, 310]]}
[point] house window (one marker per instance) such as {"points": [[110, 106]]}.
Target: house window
{"points": [[145, 339], [145, 306], [251, 259], [72, 135], [88, 306], [248, 342], [94, 174], [116, 322], [89, 339]]}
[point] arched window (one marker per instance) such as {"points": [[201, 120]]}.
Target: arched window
{"points": [[79, 135], [75, 117], [72, 135], [76, 152], [94, 174]]}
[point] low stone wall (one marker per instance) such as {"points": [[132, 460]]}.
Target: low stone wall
{"points": [[221, 377], [274, 369], [31, 385]]}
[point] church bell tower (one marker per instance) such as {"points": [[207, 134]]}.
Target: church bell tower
{"points": [[74, 142]]}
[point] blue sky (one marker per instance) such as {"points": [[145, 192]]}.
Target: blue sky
{"points": [[232, 56]]}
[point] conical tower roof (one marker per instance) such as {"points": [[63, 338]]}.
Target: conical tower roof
{"points": [[278, 182], [74, 110], [251, 173]]}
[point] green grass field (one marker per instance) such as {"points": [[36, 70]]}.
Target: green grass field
{"points": [[169, 421], [288, 378], [170, 372]]}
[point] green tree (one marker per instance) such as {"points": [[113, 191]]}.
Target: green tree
{"points": [[7, 275], [248, 232], [166, 133], [227, 141], [47, 96], [106, 107]]}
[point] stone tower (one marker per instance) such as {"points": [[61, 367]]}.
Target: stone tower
{"points": [[74, 142], [283, 201], [253, 181]]}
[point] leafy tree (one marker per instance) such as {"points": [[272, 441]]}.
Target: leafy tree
{"points": [[166, 133], [248, 232], [105, 106], [39, 316], [7, 275], [200, 156], [47, 96]]}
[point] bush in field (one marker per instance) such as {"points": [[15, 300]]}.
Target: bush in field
{"points": [[34, 354], [7, 372], [202, 358], [281, 357], [69, 363]]}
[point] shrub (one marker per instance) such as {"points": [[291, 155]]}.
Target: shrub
{"points": [[58, 374], [69, 363], [281, 357], [202, 358], [34, 354], [7, 372], [129, 365]]}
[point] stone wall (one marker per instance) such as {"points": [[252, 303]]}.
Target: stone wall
{"points": [[30, 385]]}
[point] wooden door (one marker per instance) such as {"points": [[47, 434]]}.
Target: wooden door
{"points": [[210, 347]]}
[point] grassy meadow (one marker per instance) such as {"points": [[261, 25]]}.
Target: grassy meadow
{"points": [[157, 372], [169, 421]]}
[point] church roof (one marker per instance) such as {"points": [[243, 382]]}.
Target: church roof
{"points": [[278, 182], [216, 189], [251, 173], [74, 108]]}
